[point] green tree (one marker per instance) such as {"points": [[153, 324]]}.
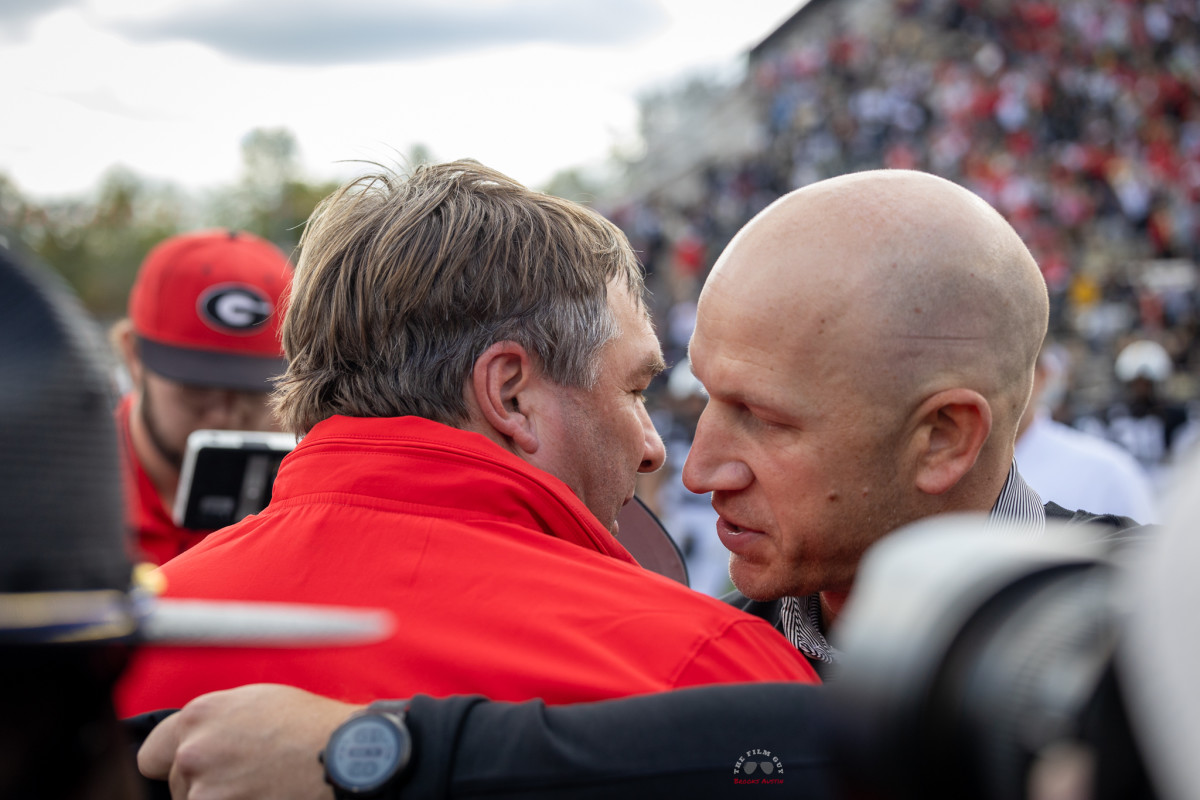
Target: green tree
{"points": [[574, 184], [271, 199], [97, 243]]}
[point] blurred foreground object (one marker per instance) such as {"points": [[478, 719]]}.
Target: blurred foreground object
{"points": [[68, 615], [65, 616], [1010, 668], [1162, 647], [61, 517]]}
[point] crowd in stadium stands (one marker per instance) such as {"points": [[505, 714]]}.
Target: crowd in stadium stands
{"points": [[1078, 119]]}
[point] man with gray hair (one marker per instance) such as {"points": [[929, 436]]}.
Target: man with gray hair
{"points": [[467, 361]]}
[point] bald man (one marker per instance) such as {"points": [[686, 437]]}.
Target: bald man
{"points": [[868, 345]]}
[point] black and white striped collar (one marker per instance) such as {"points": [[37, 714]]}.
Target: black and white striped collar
{"points": [[1018, 509]]}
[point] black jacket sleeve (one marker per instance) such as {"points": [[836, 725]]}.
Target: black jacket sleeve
{"points": [[686, 743]]}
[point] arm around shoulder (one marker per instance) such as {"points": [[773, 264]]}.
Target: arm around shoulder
{"points": [[259, 741]]}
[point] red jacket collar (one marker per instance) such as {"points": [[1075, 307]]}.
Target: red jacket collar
{"points": [[458, 474]]}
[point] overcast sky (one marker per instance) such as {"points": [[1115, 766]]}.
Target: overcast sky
{"points": [[168, 88]]}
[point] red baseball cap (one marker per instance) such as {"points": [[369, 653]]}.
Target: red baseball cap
{"points": [[207, 307]]}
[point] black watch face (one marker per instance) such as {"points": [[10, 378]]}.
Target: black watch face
{"points": [[365, 753]]}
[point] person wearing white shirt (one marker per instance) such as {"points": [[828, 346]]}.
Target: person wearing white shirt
{"points": [[1075, 469]]}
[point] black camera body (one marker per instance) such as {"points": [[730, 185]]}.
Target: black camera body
{"points": [[994, 665]]}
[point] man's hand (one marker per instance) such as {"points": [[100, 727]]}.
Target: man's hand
{"points": [[258, 741]]}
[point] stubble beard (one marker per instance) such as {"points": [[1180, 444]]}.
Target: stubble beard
{"points": [[171, 455]]}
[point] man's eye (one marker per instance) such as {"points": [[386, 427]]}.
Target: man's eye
{"points": [[756, 418], [769, 424]]}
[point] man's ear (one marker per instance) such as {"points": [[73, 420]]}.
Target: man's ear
{"points": [[952, 427], [501, 375], [125, 342]]}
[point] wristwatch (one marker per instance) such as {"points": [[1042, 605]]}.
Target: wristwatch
{"points": [[368, 755]]}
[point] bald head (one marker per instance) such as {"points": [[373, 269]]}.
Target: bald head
{"points": [[868, 345], [911, 282]]}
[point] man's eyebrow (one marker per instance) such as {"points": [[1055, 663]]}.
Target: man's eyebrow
{"points": [[655, 366]]}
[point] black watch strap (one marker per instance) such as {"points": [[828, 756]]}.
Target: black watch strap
{"points": [[397, 708]]}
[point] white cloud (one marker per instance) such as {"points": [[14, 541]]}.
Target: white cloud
{"points": [[86, 96], [358, 31]]}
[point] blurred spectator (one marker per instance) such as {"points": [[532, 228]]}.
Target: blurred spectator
{"points": [[1143, 420], [201, 345], [1073, 469]]}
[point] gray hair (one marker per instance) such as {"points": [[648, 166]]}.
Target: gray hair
{"points": [[403, 282]]}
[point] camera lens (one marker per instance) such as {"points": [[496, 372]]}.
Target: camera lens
{"points": [[970, 655]]}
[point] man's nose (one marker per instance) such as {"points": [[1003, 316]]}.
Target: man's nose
{"points": [[232, 410], [221, 410], [712, 462], [654, 452]]}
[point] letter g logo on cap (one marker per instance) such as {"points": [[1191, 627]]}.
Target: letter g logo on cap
{"points": [[235, 308]]}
